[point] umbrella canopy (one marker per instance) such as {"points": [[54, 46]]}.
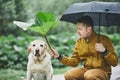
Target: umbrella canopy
{"points": [[102, 13]]}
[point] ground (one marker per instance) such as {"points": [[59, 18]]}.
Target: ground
{"points": [[115, 74], [58, 77]]}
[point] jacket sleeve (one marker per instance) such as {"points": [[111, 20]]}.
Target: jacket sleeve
{"points": [[111, 58], [73, 60]]}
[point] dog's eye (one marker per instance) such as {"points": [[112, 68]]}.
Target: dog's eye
{"points": [[33, 44], [41, 45]]}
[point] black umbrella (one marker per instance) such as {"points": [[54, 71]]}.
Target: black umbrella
{"points": [[102, 13]]}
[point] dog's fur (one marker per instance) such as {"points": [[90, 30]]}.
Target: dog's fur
{"points": [[39, 62]]}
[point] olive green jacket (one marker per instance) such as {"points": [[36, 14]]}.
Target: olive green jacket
{"points": [[84, 50]]}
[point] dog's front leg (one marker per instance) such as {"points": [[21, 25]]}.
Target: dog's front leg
{"points": [[49, 75], [29, 75]]}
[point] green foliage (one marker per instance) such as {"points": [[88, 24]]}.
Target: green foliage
{"points": [[61, 70], [64, 44], [13, 52], [7, 13], [11, 10], [116, 43], [21, 9]]}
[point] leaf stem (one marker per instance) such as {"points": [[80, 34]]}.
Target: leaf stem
{"points": [[47, 42]]}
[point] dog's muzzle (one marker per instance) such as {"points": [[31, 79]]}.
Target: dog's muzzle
{"points": [[37, 53]]}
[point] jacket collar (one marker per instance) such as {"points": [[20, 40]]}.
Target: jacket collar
{"points": [[91, 37]]}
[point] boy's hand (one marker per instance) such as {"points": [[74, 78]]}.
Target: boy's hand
{"points": [[99, 47], [54, 53]]}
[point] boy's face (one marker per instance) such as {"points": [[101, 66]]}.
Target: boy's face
{"points": [[82, 30]]}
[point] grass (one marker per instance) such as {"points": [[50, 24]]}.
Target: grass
{"points": [[11, 74]]}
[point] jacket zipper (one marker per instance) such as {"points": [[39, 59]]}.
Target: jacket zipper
{"points": [[90, 54]]}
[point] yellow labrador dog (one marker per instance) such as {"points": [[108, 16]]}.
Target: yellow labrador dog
{"points": [[39, 62]]}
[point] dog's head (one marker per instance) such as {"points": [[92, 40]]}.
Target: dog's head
{"points": [[37, 48]]}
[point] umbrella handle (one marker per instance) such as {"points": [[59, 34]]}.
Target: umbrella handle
{"points": [[99, 27]]}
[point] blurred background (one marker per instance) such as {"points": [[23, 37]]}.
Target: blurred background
{"points": [[14, 41]]}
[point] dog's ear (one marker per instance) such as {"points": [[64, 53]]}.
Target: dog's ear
{"points": [[29, 49]]}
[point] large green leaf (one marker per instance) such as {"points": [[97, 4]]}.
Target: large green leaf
{"points": [[44, 22], [42, 17], [44, 28]]}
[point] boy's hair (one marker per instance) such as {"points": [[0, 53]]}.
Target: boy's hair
{"points": [[86, 20]]}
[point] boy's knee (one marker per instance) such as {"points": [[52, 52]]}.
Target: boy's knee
{"points": [[88, 75], [67, 75], [95, 74]]}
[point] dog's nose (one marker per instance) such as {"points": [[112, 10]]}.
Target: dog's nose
{"points": [[36, 52]]}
